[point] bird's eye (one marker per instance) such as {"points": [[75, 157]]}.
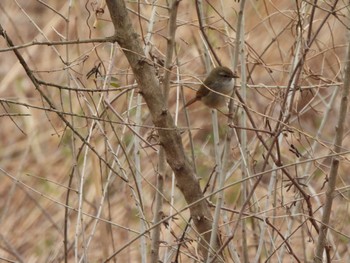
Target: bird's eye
{"points": [[225, 74]]}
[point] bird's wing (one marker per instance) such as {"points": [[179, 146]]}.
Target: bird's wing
{"points": [[202, 92]]}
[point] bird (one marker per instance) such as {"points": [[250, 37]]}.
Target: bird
{"points": [[218, 82]]}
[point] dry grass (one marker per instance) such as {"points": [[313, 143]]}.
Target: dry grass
{"points": [[39, 153]]}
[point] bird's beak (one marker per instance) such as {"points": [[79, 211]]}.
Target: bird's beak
{"points": [[235, 75]]}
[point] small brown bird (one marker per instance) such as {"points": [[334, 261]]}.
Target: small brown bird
{"points": [[218, 82]]}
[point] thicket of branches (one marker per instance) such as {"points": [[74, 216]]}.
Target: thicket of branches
{"points": [[99, 161]]}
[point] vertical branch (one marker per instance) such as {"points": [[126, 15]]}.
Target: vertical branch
{"points": [[138, 174], [201, 21], [171, 192], [221, 180], [74, 150], [243, 137], [170, 47], [161, 157], [332, 178], [138, 116]]}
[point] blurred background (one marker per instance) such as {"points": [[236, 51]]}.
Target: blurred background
{"points": [[55, 190]]}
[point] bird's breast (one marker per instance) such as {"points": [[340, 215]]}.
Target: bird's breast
{"points": [[226, 87]]}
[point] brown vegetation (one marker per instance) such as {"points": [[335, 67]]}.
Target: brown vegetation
{"points": [[79, 151]]}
